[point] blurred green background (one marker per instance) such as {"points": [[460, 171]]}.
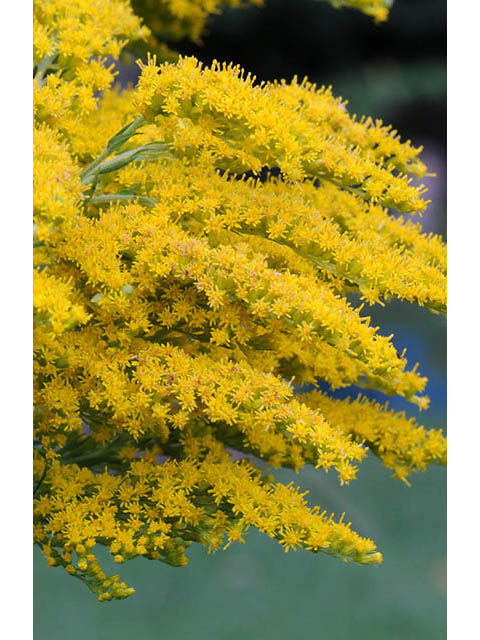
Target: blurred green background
{"points": [[396, 72]]}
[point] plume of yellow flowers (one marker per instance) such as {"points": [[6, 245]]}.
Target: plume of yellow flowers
{"points": [[377, 9], [195, 239]]}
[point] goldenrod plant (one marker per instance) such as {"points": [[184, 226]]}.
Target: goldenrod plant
{"points": [[204, 245]]}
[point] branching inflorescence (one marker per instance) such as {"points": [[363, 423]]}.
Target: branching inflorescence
{"points": [[195, 240]]}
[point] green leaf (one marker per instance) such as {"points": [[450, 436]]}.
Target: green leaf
{"points": [[124, 135]]}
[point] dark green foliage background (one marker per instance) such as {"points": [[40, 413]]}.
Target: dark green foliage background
{"points": [[394, 71]]}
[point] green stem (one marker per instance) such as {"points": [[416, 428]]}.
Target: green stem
{"points": [[90, 169], [122, 197], [92, 459], [114, 143], [39, 484], [43, 67]]}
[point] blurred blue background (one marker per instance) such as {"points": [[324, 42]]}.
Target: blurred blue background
{"points": [[396, 72]]}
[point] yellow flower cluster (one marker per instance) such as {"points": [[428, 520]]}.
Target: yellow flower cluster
{"points": [[304, 132], [52, 303], [70, 45], [400, 443], [378, 9], [350, 241], [157, 510], [195, 239]]}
